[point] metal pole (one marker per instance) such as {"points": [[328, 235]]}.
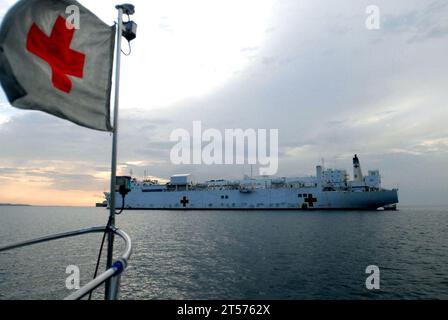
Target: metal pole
{"points": [[113, 178]]}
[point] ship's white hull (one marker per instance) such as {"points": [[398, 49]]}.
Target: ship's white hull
{"points": [[259, 199]]}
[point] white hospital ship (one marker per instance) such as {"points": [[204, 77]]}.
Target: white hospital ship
{"points": [[329, 189]]}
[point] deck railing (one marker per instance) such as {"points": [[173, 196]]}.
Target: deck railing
{"points": [[113, 273]]}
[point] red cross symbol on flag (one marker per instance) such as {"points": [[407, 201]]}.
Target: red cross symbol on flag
{"points": [[55, 50]]}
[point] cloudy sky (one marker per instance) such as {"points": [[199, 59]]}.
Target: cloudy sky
{"points": [[308, 68]]}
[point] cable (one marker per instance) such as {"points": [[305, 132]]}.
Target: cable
{"points": [[100, 253], [122, 206], [130, 50], [98, 260]]}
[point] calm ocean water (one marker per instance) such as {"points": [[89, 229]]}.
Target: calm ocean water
{"points": [[236, 255]]}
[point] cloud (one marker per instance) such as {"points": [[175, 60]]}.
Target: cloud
{"points": [[55, 175], [420, 24]]}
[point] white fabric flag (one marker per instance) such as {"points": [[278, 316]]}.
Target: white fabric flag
{"points": [[51, 64]]}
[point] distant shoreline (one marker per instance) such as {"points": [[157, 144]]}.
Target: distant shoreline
{"points": [[14, 205]]}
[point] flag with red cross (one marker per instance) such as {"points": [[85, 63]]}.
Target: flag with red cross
{"points": [[50, 64]]}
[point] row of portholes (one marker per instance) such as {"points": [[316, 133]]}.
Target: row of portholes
{"points": [[258, 205], [223, 205]]}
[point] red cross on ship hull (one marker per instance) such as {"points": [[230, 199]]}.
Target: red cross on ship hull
{"points": [[310, 200], [184, 201]]}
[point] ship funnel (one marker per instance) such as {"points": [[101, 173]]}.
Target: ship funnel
{"points": [[357, 172], [319, 170]]}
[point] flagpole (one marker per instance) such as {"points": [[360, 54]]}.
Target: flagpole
{"points": [[110, 237]]}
